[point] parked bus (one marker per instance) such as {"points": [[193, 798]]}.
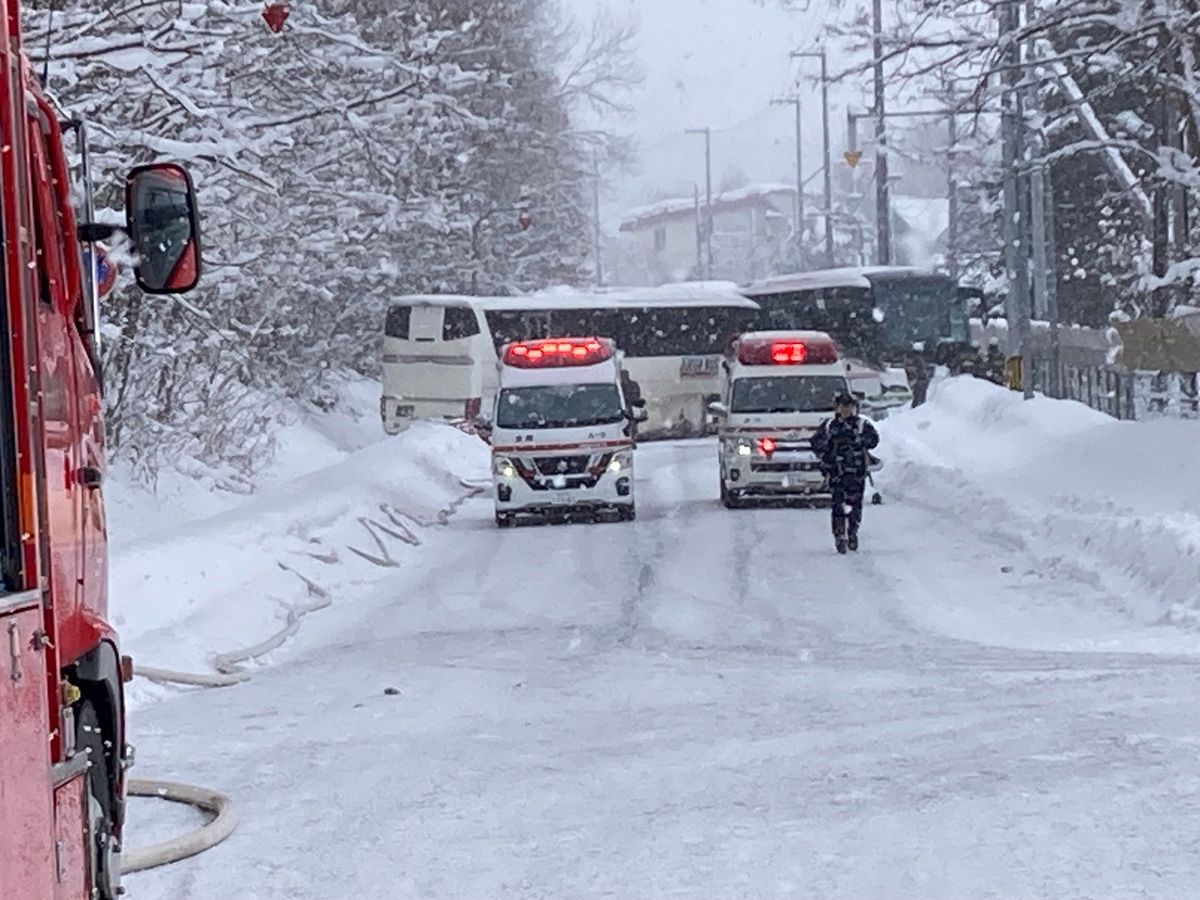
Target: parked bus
{"points": [[440, 352], [886, 317]]}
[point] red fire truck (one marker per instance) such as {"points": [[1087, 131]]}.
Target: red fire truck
{"points": [[63, 747]]}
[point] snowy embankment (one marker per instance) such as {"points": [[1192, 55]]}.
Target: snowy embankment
{"points": [[1105, 502], [198, 574]]}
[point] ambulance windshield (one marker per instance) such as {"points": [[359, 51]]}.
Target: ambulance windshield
{"points": [[559, 406], [787, 393]]}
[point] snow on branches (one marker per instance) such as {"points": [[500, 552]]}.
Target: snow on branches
{"points": [[362, 152]]}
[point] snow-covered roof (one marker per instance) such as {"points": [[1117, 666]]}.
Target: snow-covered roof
{"points": [[677, 206], [680, 294], [683, 294], [850, 277]]}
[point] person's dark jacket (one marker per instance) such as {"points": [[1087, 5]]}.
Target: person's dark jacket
{"points": [[842, 446]]}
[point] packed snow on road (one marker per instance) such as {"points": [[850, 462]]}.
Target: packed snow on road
{"points": [[993, 698]]}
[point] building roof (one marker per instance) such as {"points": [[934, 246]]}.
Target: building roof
{"points": [[643, 216]]}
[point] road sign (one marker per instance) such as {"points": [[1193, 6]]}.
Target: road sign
{"points": [[852, 157]]}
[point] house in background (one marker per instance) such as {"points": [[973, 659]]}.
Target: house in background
{"points": [[752, 236]]}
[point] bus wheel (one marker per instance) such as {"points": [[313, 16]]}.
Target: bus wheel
{"points": [[90, 739]]}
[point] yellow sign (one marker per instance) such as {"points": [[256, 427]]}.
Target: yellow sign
{"points": [[852, 157], [1015, 373]]}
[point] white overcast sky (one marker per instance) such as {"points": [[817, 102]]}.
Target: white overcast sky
{"points": [[717, 63]]}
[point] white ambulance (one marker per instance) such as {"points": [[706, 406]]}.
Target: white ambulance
{"points": [[778, 387], [562, 431]]}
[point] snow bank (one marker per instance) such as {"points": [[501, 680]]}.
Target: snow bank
{"points": [[1107, 502], [197, 574]]}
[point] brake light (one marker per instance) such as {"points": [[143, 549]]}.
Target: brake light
{"points": [[766, 446], [557, 352]]}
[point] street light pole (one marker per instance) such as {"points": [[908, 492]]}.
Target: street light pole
{"points": [[883, 205], [799, 210], [820, 54], [708, 210]]}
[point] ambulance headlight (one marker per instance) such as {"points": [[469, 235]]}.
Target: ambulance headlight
{"points": [[621, 462], [740, 447], [504, 468]]}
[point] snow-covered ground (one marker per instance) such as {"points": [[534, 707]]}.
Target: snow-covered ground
{"points": [[994, 699]]}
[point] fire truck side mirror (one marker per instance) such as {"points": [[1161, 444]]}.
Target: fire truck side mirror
{"points": [[160, 211]]}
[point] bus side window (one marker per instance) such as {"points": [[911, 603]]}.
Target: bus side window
{"points": [[459, 323], [397, 322]]}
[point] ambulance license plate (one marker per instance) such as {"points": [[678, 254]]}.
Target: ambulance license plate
{"points": [[563, 498]]}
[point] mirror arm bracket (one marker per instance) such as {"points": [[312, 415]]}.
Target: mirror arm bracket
{"points": [[91, 232]]}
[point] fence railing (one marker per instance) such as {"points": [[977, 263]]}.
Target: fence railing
{"points": [[1120, 393]]}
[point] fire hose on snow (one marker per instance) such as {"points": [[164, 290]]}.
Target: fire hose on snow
{"points": [[194, 842], [230, 672]]}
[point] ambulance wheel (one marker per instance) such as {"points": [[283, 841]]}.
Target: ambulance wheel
{"points": [[730, 499], [877, 499], [504, 520], [89, 738]]}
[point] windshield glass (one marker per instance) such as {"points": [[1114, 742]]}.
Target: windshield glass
{"points": [[918, 310], [787, 393], [559, 406]]}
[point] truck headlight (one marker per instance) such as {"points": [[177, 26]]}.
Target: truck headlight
{"points": [[504, 468]]}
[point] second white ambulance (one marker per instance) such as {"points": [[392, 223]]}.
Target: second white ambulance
{"points": [[779, 386], [562, 431]]}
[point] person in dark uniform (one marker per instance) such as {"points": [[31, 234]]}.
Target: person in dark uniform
{"points": [[843, 445]]}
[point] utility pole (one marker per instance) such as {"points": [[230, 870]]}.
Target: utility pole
{"points": [[1014, 246], [799, 206], [596, 219], [828, 161], [883, 206], [708, 208], [852, 147], [952, 196]]}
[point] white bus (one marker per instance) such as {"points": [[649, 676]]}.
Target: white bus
{"points": [[440, 351]]}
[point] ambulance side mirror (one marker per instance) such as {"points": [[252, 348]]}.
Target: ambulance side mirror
{"points": [[164, 227], [637, 414], [718, 409]]}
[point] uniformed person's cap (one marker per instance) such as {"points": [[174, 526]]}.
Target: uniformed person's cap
{"points": [[845, 400]]}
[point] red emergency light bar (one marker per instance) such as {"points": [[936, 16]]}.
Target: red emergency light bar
{"points": [[783, 352], [557, 352]]}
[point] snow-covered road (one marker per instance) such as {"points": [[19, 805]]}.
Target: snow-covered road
{"points": [[704, 703]]}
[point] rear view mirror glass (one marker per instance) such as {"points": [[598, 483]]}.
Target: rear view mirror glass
{"points": [[160, 211]]}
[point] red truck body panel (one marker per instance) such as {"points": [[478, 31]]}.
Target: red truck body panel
{"points": [[56, 615]]}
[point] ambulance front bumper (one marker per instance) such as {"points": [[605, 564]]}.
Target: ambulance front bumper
{"points": [[782, 473], [548, 484]]}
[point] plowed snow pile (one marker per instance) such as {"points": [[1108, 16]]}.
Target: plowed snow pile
{"points": [[1111, 502], [189, 584]]}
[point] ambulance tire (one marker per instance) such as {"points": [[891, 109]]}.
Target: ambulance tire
{"points": [[89, 737], [504, 520], [730, 499]]}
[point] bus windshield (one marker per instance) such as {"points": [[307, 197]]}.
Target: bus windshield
{"points": [[920, 310], [559, 406], [787, 393]]}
